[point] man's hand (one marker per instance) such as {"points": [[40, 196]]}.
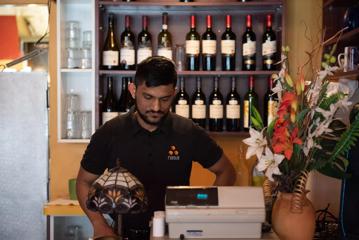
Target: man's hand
{"points": [[225, 173], [99, 223]]}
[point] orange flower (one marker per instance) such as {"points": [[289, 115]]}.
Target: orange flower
{"points": [[283, 141], [288, 107]]}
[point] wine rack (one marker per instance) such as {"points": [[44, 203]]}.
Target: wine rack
{"points": [[179, 24], [92, 15]]}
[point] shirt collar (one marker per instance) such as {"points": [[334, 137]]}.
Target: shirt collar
{"points": [[164, 127]]}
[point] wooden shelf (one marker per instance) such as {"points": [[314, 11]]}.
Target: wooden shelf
{"points": [[63, 140], [240, 134], [76, 70], [338, 3], [195, 73], [258, 6], [350, 74], [347, 36]]}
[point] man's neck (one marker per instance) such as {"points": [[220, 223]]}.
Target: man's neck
{"points": [[143, 124]]}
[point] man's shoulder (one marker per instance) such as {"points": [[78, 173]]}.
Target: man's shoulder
{"points": [[115, 125], [183, 125]]}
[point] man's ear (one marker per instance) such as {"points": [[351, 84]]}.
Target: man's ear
{"points": [[132, 89]]}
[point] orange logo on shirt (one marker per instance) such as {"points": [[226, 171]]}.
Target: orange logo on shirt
{"points": [[173, 153]]}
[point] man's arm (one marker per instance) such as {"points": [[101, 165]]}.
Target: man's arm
{"points": [[83, 184], [225, 173]]}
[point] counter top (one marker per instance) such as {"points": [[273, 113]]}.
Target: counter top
{"points": [[266, 236], [63, 207]]}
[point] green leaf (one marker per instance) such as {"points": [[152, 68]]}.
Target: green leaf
{"points": [[256, 124], [301, 115], [327, 142], [256, 116], [331, 171], [327, 101], [270, 128], [347, 140]]}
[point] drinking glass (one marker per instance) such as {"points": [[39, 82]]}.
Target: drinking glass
{"points": [[180, 57]]}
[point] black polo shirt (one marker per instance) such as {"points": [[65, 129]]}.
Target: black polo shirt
{"points": [[158, 159]]}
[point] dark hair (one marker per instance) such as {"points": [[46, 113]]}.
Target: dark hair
{"points": [[156, 71]]}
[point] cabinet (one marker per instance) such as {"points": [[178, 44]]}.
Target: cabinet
{"points": [[78, 81], [91, 83], [335, 17]]}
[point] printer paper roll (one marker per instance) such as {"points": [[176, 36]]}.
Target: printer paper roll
{"points": [[158, 227]]}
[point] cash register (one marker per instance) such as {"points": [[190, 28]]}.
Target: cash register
{"points": [[214, 212]]}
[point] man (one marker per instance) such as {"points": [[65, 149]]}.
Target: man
{"points": [[153, 144]]}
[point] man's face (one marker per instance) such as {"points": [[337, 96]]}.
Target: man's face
{"points": [[153, 103]]}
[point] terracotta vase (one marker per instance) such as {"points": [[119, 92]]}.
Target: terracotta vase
{"points": [[290, 225]]}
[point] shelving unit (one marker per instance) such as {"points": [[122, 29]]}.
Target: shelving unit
{"points": [[92, 15], [333, 21], [347, 37], [196, 73], [75, 81], [179, 13]]}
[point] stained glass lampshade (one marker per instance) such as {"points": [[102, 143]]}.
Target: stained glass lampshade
{"points": [[116, 192]]}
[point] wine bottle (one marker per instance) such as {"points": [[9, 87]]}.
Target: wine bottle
{"points": [[250, 100], [270, 103], [249, 47], [165, 39], [216, 108], [127, 51], [110, 50], [110, 109], [228, 47], [181, 101], [192, 47], [233, 109], [122, 102], [144, 42], [209, 47], [199, 105], [269, 46]]}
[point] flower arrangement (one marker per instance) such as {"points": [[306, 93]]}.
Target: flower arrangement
{"points": [[305, 135]]}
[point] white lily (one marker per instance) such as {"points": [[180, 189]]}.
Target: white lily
{"points": [[269, 163], [256, 143]]}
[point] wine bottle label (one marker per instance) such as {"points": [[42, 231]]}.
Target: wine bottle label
{"points": [[269, 48], [182, 110], [192, 47], [233, 111], [127, 56], [233, 102], [272, 110], [182, 102], [228, 47], [106, 116], [198, 102], [246, 114], [143, 53], [199, 111], [209, 46], [110, 58], [165, 52], [215, 111], [249, 48]]}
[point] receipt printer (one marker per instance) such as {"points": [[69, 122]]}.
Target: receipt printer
{"points": [[215, 212]]}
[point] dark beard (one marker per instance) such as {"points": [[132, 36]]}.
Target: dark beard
{"points": [[146, 120]]}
